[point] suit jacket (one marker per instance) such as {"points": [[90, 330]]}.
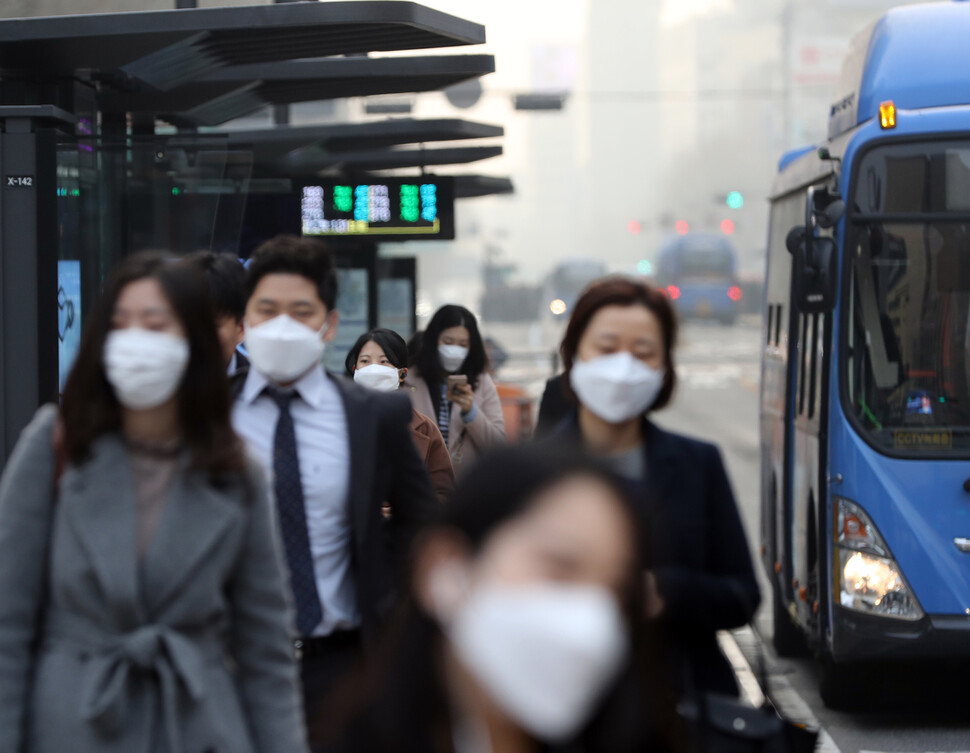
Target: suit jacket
{"points": [[696, 547], [434, 453], [186, 650], [384, 467], [465, 441]]}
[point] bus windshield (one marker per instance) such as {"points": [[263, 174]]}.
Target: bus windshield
{"points": [[909, 335]]}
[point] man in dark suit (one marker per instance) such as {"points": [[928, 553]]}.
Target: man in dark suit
{"points": [[336, 452], [227, 288]]}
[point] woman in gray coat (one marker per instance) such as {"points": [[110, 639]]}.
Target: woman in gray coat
{"points": [[143, 606]]}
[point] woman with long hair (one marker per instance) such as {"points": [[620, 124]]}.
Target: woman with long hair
{"points": [[379, 361], [618, 354], [144, 602], [522, 631], [449, 382]]}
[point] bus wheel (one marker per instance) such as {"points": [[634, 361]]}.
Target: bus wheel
{"points": [[787, 639]]}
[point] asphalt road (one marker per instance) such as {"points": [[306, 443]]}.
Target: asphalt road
{"points": [[718, 400]]}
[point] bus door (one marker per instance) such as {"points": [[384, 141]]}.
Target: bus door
{"points": [[808, 492], [793, 491], [776, 392]]}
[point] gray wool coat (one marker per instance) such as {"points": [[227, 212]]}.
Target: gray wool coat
{"points": [[188, 651]]}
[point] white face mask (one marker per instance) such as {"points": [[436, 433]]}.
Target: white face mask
{"points": [[282, 349], [544, 654], [617, 387], [378, 377], [144, 368], [452, 357]]}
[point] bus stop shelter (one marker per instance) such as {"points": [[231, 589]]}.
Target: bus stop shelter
{"points": [[84, 169]]}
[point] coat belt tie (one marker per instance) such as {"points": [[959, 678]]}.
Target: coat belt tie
{"points": [[177, 659]]}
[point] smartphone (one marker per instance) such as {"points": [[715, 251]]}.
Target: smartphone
{"points": [[454, 380]]}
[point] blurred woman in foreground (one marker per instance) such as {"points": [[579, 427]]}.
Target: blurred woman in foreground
{"points": [[520, 634], [618, 354]]}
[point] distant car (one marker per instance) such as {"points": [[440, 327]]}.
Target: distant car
{"points": [[566, 282]]}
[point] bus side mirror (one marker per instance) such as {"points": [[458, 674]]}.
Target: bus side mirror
{"points": [[795, 237], [815, 272]]}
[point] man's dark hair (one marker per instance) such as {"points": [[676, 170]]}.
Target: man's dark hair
{"points": [[227, 282], [289, 254]]}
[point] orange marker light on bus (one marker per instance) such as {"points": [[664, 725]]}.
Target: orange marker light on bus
{"points": [[887, 114]]}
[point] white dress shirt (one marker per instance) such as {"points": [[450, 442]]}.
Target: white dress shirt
{"points": [[323, 449]]}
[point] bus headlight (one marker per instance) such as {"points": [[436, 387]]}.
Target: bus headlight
{"points": [[868, 579]]}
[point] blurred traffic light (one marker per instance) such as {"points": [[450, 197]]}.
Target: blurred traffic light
{"points": [[634, 227], [682, 227], [727, 227], [644, 267], [734, 200]]}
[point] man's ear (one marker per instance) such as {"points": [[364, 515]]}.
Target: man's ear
{"points": [[333, 319], [440, 580]]}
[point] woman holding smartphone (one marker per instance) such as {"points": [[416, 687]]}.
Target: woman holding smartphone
{"points": [[448, 383]]}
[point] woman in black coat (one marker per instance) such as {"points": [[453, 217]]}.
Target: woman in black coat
{"points": [[618, 358]]}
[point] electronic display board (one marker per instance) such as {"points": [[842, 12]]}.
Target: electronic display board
{"points": [[383, 208]]}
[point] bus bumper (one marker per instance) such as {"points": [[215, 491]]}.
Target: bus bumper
{"points": [[864, 638]]}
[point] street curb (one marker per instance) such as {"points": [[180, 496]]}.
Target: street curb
{"points": [[744, 649]]}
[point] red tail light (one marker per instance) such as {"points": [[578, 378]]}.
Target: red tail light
{"points": [[734, 293], [674, 292]]}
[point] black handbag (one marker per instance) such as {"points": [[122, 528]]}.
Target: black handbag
{"points": [[724, 724]]}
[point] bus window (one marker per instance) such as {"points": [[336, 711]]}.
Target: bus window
{"points": [[802, 360], [816, 363]]}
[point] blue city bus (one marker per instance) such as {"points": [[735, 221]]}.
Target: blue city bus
{"points": [[699, 273], [865, 398]]}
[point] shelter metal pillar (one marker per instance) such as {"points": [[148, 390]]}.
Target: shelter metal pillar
{"points": [[28, 265]]}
